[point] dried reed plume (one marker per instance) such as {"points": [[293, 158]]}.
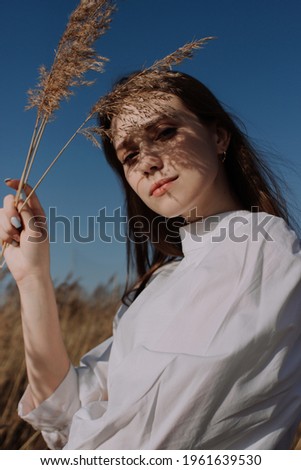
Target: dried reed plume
{"points": [[74, 57], [145, 80], [127, 92]]}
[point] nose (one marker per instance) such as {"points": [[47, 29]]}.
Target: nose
{"points": [[150, 160]]}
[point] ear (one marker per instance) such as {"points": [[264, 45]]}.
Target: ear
{"points": [[223, 138]]}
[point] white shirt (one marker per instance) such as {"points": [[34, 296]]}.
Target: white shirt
{"points": [[207, 357]]}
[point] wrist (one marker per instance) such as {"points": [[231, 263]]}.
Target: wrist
{"points": [[33, 282]]}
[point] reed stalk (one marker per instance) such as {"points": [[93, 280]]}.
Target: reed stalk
{"points": [[54, 161], [74, 57]]}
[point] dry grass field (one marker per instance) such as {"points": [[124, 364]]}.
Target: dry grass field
{"points": [[86, 321]]}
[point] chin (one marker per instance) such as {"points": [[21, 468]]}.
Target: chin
{"points": [[169, 214], [171, 208]]}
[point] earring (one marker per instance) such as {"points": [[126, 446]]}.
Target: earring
{"points": [[223, 157]]}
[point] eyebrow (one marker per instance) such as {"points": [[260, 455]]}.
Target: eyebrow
{"points": [[146, 127]]}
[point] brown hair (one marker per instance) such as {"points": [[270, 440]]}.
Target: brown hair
{"points": [[157, 241]]}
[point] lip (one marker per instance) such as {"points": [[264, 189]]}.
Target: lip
{"points": [[161, 185]]}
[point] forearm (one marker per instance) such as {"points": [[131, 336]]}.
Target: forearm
{"points": [[47, 361]]}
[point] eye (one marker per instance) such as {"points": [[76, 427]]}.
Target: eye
{"points": [[130, 158], [166, 133]]}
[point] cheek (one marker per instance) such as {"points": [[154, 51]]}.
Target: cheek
{"points": [[194, 152], [133, 179], [199, 167]]}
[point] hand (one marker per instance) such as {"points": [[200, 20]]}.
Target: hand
{"points": [[25, 232]]}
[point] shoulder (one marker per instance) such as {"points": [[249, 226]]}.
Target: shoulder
{"points": [[272, 240], [238, 229], [264, 227], [267, 264], [246, 226], [238, 240], [262, 233], [247, 249]]}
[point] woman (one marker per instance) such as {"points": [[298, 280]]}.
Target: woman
{"points": [[206, 349]]}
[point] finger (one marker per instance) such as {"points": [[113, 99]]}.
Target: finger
{"points": [[6, 238], [10, 209], [25, 213], [10, 218], [15, 219], [33, 202]]}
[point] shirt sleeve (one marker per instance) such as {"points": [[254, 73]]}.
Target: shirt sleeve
{"points": [[80, 386]]}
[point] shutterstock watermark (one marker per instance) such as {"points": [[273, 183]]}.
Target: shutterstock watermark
{"points": [[114, 227], [234, 227]]}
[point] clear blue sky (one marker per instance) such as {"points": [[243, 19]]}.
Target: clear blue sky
{"points": [[253, 67]]}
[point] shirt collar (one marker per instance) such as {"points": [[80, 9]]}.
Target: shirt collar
{"points": [[202, 231]]}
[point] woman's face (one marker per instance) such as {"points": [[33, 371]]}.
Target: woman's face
{"points": [[170, 159]]}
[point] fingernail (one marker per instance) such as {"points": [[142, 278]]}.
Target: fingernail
{"points": [[14, 243], [22, 195], [16, 222], [7, 180]]}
